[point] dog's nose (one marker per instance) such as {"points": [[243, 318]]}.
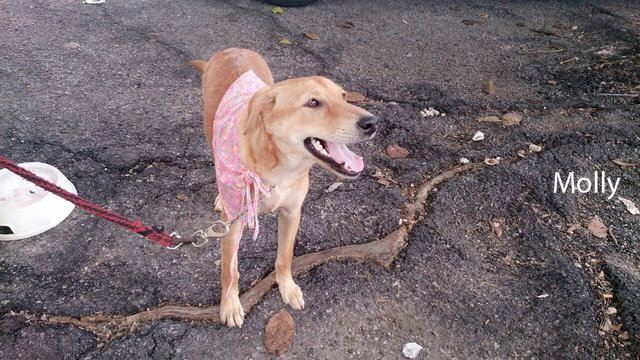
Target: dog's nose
{"points": [[368, 124]]}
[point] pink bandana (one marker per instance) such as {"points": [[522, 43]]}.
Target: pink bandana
{"points": [[234, 179]]}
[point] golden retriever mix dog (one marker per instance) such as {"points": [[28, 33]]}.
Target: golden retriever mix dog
{"points": [[287, 127]]}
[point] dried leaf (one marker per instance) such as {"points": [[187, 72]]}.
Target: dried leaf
{"points": [[347, 25], [597, 227], [354, 97], [277, 10], [160, 33], [624, 336], [623, 164], [312, 36], [511, 118], [384, 179], [489, 87], [496, 226], [631, 207], [491, 119], [397, 151], [607, 296], [285, 42], [278, 335], [182, 197]]}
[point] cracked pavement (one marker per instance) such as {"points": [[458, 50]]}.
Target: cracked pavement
{"points": [[120, 115]]}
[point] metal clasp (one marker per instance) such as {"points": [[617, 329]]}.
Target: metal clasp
{"points": [[218, 230]]}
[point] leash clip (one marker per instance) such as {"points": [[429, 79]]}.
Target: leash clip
{"points": [[219, 229]]}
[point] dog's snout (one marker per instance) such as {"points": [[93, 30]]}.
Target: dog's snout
{"points": [[368, 124]]}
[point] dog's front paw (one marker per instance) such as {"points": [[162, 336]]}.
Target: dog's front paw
{"points": [[291, 294], [231, 311]]}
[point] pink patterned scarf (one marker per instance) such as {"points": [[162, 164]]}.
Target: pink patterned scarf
{"points": [[234, 179]]}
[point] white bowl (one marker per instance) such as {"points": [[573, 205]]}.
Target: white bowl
{"points": [[26, 209]]}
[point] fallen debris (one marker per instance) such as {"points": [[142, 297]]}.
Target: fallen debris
{"points": [[542, 296], [478, 136], [347, 25], [611, 311], [631, 207], [535, 148], [278, 335], [623, 164], [511, 118], [489, 87], [411, 350], [397, 151], [491, 162], [312, 36], [333, 187], [277, 10], [284, 42], [597, 227], [496, 226], [491, 119], [569, 60], [463, 160], [384, 178], [429, 112], [573, 228]]}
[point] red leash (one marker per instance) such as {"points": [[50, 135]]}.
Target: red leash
{"points": [[152, 233]]}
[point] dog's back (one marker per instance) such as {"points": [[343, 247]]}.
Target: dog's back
{"points": [[222, 69]]}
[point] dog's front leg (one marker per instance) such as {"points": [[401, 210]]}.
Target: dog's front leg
{"points": [[231, 311], [288, 223]]}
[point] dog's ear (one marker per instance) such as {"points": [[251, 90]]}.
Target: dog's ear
{"points": [[261, 102], [262, 150]]}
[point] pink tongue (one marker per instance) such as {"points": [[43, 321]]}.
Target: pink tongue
{"points": [[342, 155]]}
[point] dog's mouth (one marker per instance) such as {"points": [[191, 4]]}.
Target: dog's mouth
{"points": [[337, 156]]}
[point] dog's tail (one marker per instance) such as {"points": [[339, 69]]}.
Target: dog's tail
{"points": [[199, 65]]}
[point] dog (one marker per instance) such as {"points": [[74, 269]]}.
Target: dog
{"points": [[283, 129]]}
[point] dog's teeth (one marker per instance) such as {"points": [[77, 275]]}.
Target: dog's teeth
{"points": [[324, 152], [317, 145]]}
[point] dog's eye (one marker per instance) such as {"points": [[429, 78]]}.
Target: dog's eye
{"points": [[312, 103]]}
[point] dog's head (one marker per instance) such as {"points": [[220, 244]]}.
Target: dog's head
{"points": [[309, 118]]}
